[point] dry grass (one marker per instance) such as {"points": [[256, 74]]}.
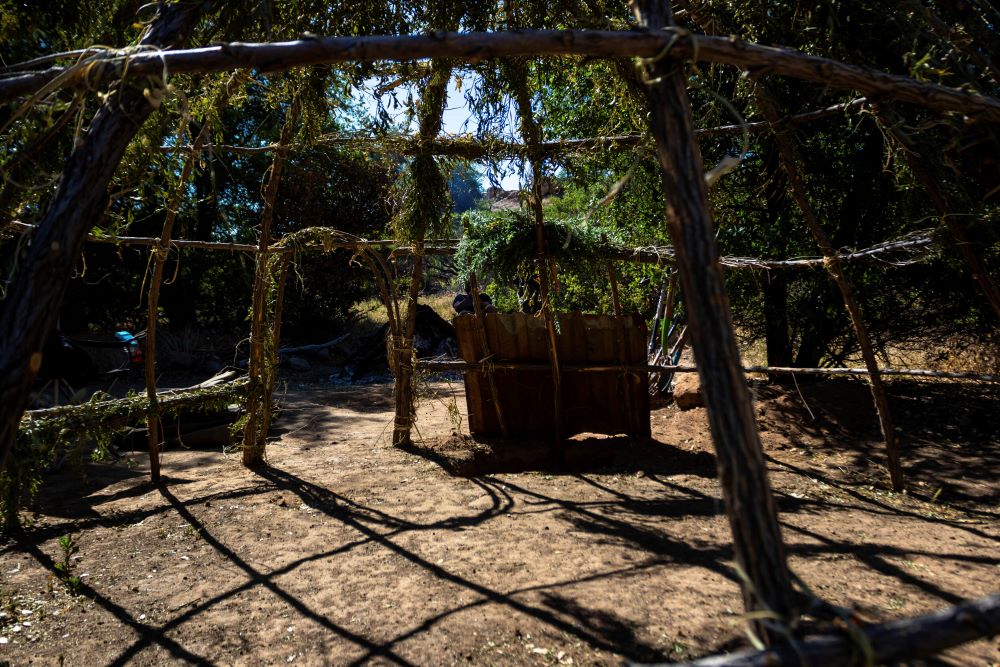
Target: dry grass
{"points": [[956, 353], [370, 313]]}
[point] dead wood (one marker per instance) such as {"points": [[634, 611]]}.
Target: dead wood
{"points": [[262, 356], [30, 310], [750, 506], [472, 149], [790, 165], [668, 41], [316, 347], [889, 643]]}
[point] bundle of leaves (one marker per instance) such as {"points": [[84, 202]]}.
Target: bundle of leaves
{"points": [[501, 244], [423, 201]]}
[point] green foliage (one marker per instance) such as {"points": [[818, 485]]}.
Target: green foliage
{"points": [[424, 201], [75, 429], [858, 181], [464, 185], [68, 548], [502, 245]]}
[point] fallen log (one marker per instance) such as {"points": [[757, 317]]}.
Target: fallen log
{"points": [[317, 347], [891, 642]]}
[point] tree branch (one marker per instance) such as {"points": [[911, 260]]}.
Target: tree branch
{"points": [[669, 42]]}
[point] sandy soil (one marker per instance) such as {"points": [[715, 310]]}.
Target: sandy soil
{"points": [[346, 551]]}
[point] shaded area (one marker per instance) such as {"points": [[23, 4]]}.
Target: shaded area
{"points": [[622, 558]]}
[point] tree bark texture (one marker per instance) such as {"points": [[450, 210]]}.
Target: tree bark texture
{"points": [[892, 643], [796, 187], [672, 41], [750, 506], [404, 388], [31, 309], [263, 348]]}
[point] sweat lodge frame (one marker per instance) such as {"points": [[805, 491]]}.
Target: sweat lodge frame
{"points": [[660, 47]]}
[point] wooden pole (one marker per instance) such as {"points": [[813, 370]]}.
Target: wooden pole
{"points": [[790, 165], [262, 354], [750, 506], [96, 71], [892, 643], [917, 373], [496, 147], [487, 353], [30, 310], [532, 136], [161, 250], [616, 306], [160, 253], [668, 311], [655, 255], [404, 389], [945, 211]]}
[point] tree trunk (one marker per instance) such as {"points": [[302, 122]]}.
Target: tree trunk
{"points": [[31, 308], [760, 551], [779, 345]]}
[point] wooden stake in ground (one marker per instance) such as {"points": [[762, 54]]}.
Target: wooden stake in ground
{"points": [[31, 308], [487, 354], [796, 188], [616, 306], [757, 541], [532, 136], [263, 350], [424, 211], [160, 253], [160, 250]]}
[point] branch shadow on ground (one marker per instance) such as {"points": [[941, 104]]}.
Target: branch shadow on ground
{"points": [[333, 505], [463, 456], [947, 432]]}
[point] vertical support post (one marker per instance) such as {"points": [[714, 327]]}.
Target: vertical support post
{"points": [[668, 310], [423, 212], [658, 315], [31, 308], [160, 251], [616, 306], [404, 353], [262, 345], [487, 353], [532, 137], [750, 506], [796, 188]]}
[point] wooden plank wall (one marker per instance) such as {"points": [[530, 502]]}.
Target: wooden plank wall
{"points": [[612, 402]]}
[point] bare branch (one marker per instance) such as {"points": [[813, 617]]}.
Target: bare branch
{"points": [[668, 42]]}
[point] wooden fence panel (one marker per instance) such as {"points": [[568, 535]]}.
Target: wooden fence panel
{"points": [[611, 402]]}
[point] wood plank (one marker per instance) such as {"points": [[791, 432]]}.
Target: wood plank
{"points": [[611, 402]]}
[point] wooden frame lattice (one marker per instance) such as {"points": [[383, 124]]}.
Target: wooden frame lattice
{"points": [[661, 45]]}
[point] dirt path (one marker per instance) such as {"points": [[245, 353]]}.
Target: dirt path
{"points": [[346, 551]]}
